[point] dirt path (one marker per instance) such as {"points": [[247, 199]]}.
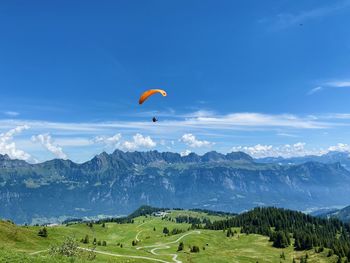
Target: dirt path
{"points": [[166, 246], [137, 235], [144, 223], [125, 256], [109, 254], [38, 252]]}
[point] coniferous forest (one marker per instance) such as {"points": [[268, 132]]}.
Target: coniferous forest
{"points": [[283, 225]]}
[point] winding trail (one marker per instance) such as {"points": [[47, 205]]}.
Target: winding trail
{"points": [[153, 250], [38, 252], [124, 256], [137, 235], [144, 223], [166, 246], [109, 254]]}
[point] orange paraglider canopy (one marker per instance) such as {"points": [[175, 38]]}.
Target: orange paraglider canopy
{"points": [[149, 93]]}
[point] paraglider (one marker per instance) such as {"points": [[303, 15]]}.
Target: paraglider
{"points": [[147, 94]]}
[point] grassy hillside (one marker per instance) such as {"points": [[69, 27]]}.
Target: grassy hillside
{"points": [[22, 244]]}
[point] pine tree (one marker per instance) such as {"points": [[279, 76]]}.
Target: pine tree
{"points": [[86, 239], [280, 240], [180, 247], [229, 233], [165, 230]]}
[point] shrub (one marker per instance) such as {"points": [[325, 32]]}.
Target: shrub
{"points": [[86, 239], [42, 232], [180, 247], [194, 249], [68, 248]]}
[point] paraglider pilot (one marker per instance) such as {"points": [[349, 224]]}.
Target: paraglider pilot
{"points": [[149, 93]]}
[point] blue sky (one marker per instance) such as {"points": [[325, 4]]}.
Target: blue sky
{"points": [[266, 77]]}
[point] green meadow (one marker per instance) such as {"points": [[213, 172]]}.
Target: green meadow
{"points": [[22, 243]]}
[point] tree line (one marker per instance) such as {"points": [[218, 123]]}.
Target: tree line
{"points": [[282, 224]]}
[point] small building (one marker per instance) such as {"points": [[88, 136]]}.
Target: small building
{"points": [[160, 214]]}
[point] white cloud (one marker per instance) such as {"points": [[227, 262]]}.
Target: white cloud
{"points": [[340, 147], [200, 113], [286, 151], [330, 84], [113, 141], [177, 124], [7, 146], [241, 121], [339, 84], [11, 113], [294, 150], [257, 151], [47, 142], [191, 140], [139, 141], [314, 90], [185, 153], [343, 116], [283, 134]]}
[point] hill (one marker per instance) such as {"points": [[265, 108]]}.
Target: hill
{"points": [[168, 238], [308, 232], [118, 183]]}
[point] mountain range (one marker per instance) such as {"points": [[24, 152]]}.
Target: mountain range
{"points": [[330, 157], [118, 183]]}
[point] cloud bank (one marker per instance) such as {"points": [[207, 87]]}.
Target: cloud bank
{"points": [[288, 150], [194, 131]]}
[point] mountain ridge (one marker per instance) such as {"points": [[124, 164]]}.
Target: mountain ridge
{"points": [[330, 157], [119, 182]]}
